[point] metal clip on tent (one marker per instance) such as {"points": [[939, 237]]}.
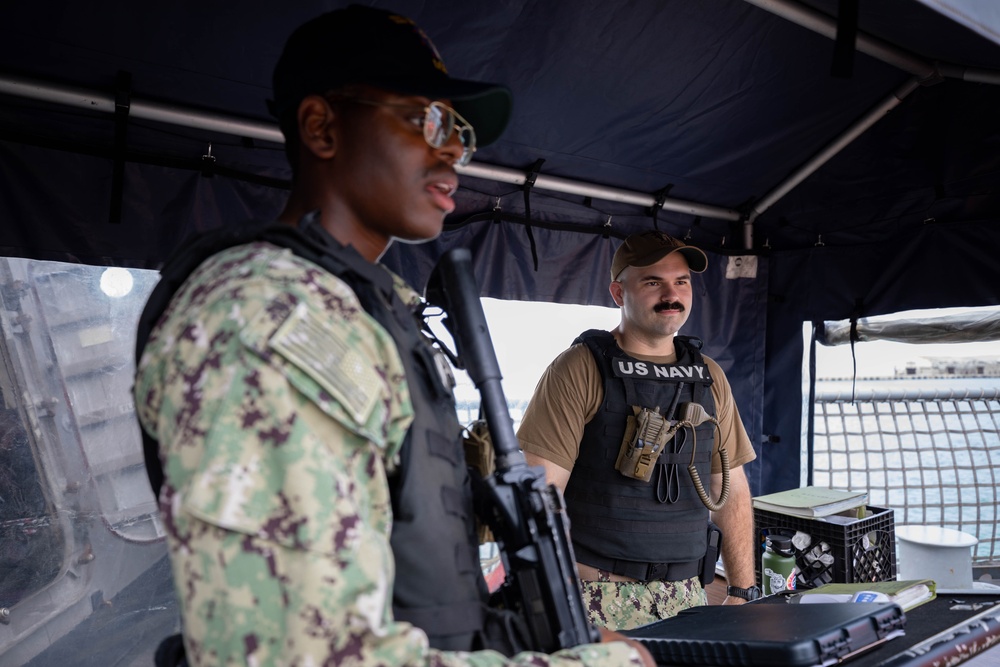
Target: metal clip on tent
{"points": [[607, 228], [695, 223], [497, 211], [208, 163]]}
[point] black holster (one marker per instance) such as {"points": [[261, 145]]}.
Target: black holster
{"points": [[707, 575]]}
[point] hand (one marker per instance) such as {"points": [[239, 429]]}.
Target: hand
{"points": [[733, 600], [611, 636]]}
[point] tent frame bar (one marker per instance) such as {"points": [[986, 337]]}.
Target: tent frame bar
{"points": [[171, 114]]}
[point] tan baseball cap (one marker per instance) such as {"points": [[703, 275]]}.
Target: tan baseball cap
{"points": [[650, 247]]}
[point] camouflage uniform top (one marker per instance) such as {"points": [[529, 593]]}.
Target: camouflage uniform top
{"points": [[279, 405]]}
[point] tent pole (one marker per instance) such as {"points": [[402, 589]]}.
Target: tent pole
{"points": [[971, 74], [825, 155], [170, 114], [604, 193], [173, 114]]}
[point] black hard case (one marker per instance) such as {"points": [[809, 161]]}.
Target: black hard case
{"points": [[766, 635]]}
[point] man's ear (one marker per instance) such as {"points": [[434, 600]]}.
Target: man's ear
{"points": [[316, 119], [616, 292]]}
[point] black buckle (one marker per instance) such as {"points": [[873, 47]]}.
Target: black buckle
{"points": [[657, 571]]}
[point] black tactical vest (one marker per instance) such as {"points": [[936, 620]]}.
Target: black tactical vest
{"points": [[439, 586], [645, 530]]}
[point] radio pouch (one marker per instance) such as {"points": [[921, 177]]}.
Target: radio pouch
{"points": [[647, 433]]}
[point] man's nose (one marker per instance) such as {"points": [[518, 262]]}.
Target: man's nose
{"points": [[667, 292], [452, 148]]}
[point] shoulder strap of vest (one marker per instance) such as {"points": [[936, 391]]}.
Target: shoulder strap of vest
{"points": [[692, 343], [597, 336], [688, 350], [598, 341]]}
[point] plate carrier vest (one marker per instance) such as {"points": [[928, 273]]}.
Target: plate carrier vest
{"points": [[644, 530]]}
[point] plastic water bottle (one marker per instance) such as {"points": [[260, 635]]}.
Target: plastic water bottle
{"points": [[777, 565]]}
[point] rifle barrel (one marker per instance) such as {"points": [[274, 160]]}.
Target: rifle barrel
{"points": [[452, 287]]}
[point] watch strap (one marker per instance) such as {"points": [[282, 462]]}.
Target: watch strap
{"points": [[752, 593]]}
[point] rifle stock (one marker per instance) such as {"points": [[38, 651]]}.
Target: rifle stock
{"points": [[526, 515]]}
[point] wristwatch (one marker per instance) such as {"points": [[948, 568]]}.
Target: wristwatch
{"points": [[752, 593]]}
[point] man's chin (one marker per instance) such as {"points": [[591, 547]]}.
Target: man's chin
{"points": [[421, 233], [415, 239]]}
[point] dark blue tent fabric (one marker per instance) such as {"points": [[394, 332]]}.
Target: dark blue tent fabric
{"points": [[718, 99]]}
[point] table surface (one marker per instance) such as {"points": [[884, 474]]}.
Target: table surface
{"points": [[949, 629]]}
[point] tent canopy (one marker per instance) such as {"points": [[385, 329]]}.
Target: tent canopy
{"points": [[824, 183]]}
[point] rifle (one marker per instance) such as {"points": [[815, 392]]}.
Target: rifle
{"points": [[527, 517]]}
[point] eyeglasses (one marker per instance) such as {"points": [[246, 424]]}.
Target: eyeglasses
{"points": [[438, 121]]}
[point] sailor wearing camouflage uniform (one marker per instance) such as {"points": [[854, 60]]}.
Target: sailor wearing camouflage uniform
{"points": [[640, 544], [293, 401]]}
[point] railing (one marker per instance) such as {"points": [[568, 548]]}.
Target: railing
{"points": [[929, 449]]}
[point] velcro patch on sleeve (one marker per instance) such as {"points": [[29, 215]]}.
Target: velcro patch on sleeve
{"points": [[327, 355]]}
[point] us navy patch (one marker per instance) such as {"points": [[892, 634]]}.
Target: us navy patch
{"points": [[647, 370], [330, 357]]}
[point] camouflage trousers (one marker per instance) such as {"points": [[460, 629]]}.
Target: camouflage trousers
{"points": [[624, 605]]}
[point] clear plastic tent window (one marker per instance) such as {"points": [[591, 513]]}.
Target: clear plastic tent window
{"points": [[81, 544]]}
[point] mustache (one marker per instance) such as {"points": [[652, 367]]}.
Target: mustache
{"points": [[669, 305]]}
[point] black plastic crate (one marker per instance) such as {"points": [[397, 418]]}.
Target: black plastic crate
{"points": [[863, 550]]}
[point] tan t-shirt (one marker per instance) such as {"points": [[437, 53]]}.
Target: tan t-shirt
{"points": [[571, 391]]}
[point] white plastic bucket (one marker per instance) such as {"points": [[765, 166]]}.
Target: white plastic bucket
{"points": [[933, 552]]}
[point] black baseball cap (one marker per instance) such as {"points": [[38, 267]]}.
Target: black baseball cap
{"points": [[366, 45]]}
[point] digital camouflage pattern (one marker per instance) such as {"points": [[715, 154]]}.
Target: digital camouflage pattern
{"points": [[625, 605], [280, 405]]}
